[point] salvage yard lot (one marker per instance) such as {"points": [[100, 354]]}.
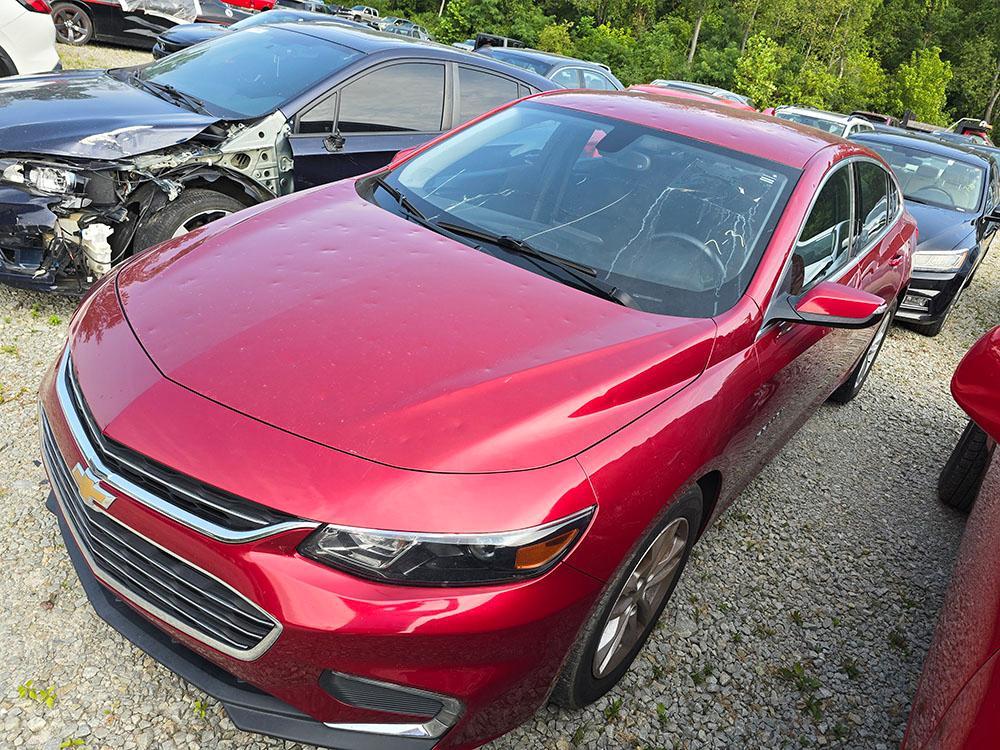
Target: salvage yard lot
{"points": [[802, 619]]}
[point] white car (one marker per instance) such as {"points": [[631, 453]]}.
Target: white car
{"points": [[363, 14], [830, 122], [27, 38]]}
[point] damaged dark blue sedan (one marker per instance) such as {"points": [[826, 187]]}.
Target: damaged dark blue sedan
{"points": [[97, 165]]}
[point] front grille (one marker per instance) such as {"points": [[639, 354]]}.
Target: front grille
{"points": [[197, 498], [155, 579]]}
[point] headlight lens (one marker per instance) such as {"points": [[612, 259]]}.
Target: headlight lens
{"points": [[951, 260], [44, 179], [446, 559]]}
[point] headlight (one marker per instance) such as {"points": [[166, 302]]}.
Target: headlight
{"points": [[52, 180], [951, 260], [446, 559]]}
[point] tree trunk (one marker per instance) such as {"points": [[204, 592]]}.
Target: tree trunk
{"points": [[694, 37], [994, 95], [746, 31], [441, 9]]}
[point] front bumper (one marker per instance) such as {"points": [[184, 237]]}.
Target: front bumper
{"points": [[930, 295]]}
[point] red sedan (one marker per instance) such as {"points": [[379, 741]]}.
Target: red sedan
{"points": [[958, 702], [392, 462]]}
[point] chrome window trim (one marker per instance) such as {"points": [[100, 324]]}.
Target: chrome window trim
{"points": [[126, 593], [433, 728], [142, 496]]}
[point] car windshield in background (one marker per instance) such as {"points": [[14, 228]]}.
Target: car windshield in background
{"points": [[827, 126], [536, 66], [250, 73], [676, 224], [272, 16], [929, 178]]}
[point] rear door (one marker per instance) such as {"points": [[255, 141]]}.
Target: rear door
{"points": [[363, 123]]}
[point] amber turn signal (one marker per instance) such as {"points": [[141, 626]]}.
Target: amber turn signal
{"points": [[542, 553]]}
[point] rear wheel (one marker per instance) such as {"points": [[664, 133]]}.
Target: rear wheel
{"points": [[963, 474], [73, 24], [631, 606], [193, 208], [853, 385]]}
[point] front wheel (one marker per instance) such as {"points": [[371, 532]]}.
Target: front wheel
{"points": [[853, 385], [630, 606], [193, 208], [73, 24], [963, 474]]}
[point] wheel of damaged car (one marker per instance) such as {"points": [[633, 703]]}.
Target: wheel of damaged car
{"points": [[631, 605], [193, 208], [73, 24]]}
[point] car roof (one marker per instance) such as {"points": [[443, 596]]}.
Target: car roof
{"points": [[704, 88], [927, 143], [370, 41], [820, 114], [551, 58], [741, 130]]}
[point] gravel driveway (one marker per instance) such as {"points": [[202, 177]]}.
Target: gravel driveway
{"points": [[802, 620]]}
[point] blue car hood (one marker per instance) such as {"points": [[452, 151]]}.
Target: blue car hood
{"points": [[89, 115]]}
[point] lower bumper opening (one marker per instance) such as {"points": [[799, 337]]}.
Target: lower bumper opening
{"points": [[249, 709]]}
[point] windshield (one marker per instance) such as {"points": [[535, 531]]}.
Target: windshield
{"points": [[676, 224], [930, 178], [251, 73], [820, 123], [271, 17]]}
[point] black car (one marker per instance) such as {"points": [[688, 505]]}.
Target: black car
{"points": [[95, 165], [81, 21], [187, 34], [565, 72], [953, 192]]}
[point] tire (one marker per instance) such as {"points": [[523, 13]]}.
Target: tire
{"points": [[856, 381], [7, 67], [194, 207], [73, 24], [963, 474], [933, 329], [579, 683]]}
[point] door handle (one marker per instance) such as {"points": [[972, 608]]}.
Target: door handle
{"points": [[897, 260], [333, 142]]}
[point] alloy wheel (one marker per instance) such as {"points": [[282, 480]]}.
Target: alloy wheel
{"points": [[200, 219], [72, 25], [638, 603]]}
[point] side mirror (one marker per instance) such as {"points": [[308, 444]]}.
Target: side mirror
{"points": [[831, 305]]}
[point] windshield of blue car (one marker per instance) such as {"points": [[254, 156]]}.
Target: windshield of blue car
{"points": [[251, 73], [270, 17], [937, 180], [821, 123], [677, 224]]}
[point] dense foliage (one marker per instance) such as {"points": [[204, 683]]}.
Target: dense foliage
{"points": [[940, 59]]}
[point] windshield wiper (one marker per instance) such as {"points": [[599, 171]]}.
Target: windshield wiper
{"points": [[584, 274], [402, 200], [158, 89]]}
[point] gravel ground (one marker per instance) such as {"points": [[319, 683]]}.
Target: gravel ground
{"points": [[802, 620]]}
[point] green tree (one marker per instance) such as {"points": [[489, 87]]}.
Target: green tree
{"points": [[757, 70], [923, 85], [610, 45], [555, 38]]}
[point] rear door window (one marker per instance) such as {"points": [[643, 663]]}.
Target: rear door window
{"points": [[594, 80], [480, 91], [407, 97], [568, 78]]}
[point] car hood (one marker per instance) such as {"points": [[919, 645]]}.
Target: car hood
{"points": [[941, 228], [89, 115], [343, 323], [193, 33]]}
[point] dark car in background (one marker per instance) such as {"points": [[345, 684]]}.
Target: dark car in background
{"points": [[953, 192], [565, 72], [81, 21], [313, 6], [95, 165], [188, 34]]}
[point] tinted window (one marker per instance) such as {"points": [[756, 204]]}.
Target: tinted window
{"points": [[820, 123], [251, 73], [480, 92], [677, 224], [537, 66], [933, 178], [407, 97], [568, 78], [826, 237], [594, 80], [873, 200]]}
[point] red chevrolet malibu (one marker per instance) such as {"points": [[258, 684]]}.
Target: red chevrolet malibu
{"points": [[958, 702], [393, 462]]}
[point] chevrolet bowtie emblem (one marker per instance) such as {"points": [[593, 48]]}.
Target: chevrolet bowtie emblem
{"points": [[90, 489]]}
